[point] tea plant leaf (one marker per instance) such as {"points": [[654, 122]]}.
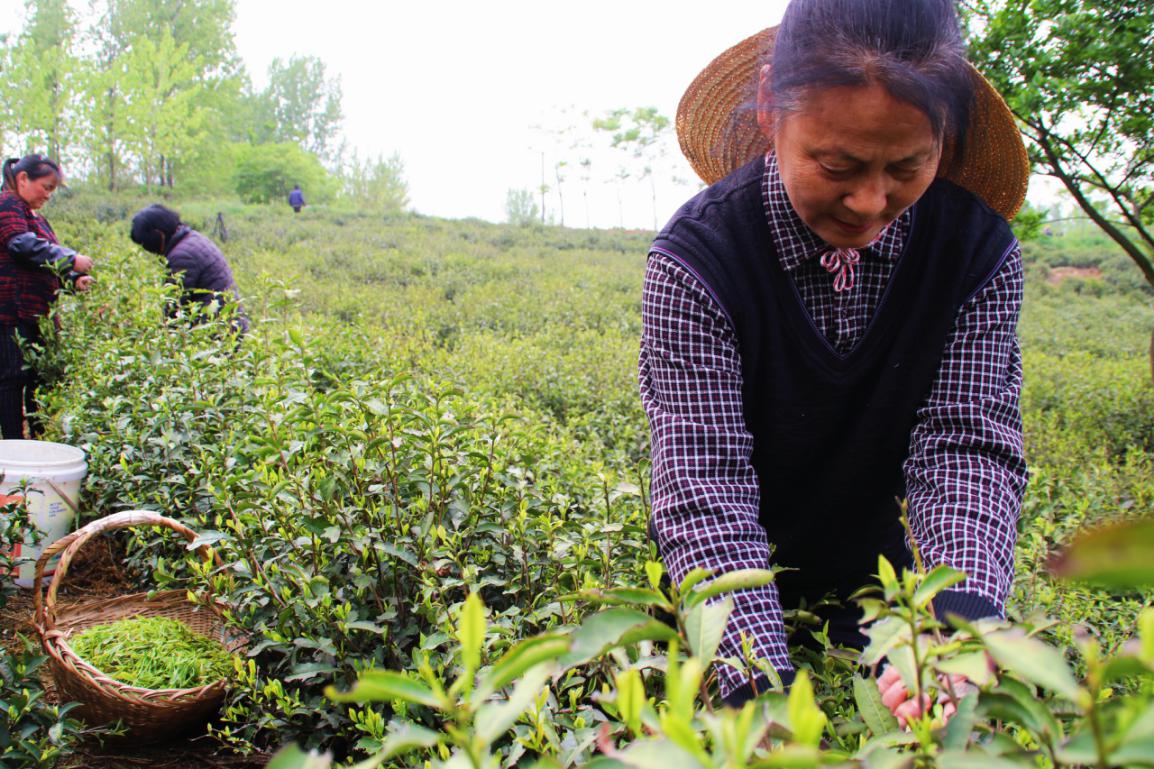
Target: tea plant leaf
{"points": [[694, 577], [471, 634], [961, 724], [612, 627], [1146, 635], [409, 737], [884, 635], [868, 697], [729, 582], [630, 698], [495, 718], [973, 665], [940, 578], [601, 762], [521, 657], [704, 626], [627, 596], [658, 754], [883, 757], [974, 759], [653, 571], [1116, 555], [806, 719], [1014, 701], [1136, 753], [386, 686], [1037, 662], [292, 757]]}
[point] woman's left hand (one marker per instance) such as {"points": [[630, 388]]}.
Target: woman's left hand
{"points": [[84, 282]]}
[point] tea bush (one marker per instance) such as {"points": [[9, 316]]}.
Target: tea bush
{"points": [[427, 411]]}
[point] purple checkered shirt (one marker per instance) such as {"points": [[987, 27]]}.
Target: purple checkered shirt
{"points": [[965, 474]]}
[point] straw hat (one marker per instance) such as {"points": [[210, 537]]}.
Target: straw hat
{"points": [[718, 131]]}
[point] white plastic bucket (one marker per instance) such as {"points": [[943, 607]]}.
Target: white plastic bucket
{"points": [[54, 473]]}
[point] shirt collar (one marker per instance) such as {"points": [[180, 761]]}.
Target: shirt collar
{"points": [[795, 242]]}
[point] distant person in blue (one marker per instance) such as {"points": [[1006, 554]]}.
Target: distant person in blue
{"points": [[192, 259], [297, 199]]}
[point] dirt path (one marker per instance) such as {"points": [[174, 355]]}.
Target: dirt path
{"points": [[94, 574]]}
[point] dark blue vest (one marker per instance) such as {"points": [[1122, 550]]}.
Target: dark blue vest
{"points": [[830, 431]]}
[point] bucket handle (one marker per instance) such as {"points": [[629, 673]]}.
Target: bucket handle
{"points": [[71, 544], [60, 493]]}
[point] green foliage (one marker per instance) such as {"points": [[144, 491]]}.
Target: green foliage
{"points": [[1076, 74], [429, 416], [376, 185], [33, 733], [266, 172], [301, 105], [521, 208]]}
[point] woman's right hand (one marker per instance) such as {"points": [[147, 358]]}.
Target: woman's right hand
{"points": [[82, 263]]}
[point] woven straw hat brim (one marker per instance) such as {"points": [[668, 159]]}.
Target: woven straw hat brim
{"points": [[718, 131]]}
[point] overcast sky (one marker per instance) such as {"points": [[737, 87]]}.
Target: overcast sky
{"points": [[455, 87]]}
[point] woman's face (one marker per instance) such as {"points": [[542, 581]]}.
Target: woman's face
{"points": [[36, 192], [852, 159]]}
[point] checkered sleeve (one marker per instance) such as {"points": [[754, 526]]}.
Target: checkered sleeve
{"points": [[704, 489], [966, 472]]}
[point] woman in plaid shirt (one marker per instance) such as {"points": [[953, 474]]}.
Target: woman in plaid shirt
{"points": [[32, 265], [829, 328]]}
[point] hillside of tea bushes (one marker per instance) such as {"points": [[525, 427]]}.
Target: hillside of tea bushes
{"points": [[429, 409]]}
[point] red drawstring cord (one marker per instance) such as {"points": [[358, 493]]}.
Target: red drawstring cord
{"points": [[841, 261]]}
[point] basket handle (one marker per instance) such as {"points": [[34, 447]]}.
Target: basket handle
{"points": [[71, 544]]}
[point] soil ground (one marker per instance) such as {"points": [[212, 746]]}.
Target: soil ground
{"points": [[94, 573]]}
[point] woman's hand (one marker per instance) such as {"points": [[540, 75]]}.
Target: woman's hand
{"points": [[906, 708], [84, 282], [81, 263]]}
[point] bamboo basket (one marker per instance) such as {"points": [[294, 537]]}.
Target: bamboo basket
{"points": [[147, 714]]}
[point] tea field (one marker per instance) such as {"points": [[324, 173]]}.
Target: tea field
{"points": [[431, 443]]}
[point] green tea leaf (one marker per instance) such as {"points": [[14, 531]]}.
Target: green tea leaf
{"points": [[974, 759], [386, 686], [521, 657], [495, 718], [704, 626], [408, 738], [602, 631], [940, 578], [1033, 660], [628, 596], [292, 757], [1116, 555], [806, 719], [973, 665], [658, 754], [868, 697], [730, 582], [471, 634], [961, 724]]}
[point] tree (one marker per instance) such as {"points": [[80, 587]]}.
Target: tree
{"points": [[1079, 76], [640, 132], [377, 184], [39, 88], [303, 103], [520, 208], [266, 172], [163, 101]]}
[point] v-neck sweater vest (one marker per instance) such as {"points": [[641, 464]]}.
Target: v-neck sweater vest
{"points": [[831, 431]]}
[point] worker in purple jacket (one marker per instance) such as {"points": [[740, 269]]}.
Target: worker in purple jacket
{"points": [[829, 327], [193, 261], [296, 199]]}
